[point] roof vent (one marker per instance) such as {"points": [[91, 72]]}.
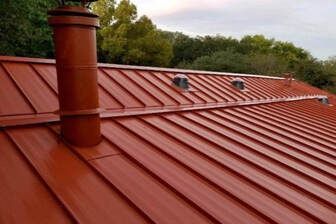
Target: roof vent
{"points": [[181, 81], [238, 83], [324, 100], [288, 78]]}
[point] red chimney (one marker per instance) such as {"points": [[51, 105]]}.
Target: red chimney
{"points": [[74, 30]]}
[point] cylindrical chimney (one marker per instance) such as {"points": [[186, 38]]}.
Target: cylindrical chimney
{"points": [[74, 37]]}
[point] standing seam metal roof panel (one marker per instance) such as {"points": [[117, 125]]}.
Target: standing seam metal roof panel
{"points": [[211, 155], [206, 166]]}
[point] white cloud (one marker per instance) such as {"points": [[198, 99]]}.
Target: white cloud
{"points": [[307, 23], [161, 8]]}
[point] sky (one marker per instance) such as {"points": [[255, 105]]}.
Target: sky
{"points": [[309, 24]]}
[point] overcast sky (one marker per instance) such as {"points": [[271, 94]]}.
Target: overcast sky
{"points": [[307, 23]]}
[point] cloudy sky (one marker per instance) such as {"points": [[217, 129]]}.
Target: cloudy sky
{"points": [[310, 24]]}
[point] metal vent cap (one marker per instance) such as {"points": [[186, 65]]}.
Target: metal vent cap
{"points": [[324, 100], [181, 81], [238, 83]]}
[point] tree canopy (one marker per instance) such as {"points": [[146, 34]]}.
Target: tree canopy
{"points": [[24, 30], [125, 38]]}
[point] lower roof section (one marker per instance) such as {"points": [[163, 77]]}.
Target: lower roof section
{"points": [[272, 163]]}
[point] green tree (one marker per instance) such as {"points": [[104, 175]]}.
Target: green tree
{"points": [[105, 9], [233, 61], [255, 44], [267, 64], [24, 30], [290, 52], [329, 67], [223, 61], [313, 72], [186, 49], [125, 38]]}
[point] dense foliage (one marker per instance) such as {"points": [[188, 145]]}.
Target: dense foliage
{"points": [[24, 30], [125, 38], [128, 39]]}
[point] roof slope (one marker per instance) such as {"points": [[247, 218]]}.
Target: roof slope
{"points": [[29, 87], [256, 161]]}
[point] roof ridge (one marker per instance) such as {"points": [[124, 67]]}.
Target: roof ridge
{"points": [[12, 121]]}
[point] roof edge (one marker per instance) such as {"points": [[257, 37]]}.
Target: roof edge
{"points": [[26, 59], [142, 68]]}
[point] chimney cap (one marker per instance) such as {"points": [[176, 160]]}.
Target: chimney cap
{"points": [[71, 11]]}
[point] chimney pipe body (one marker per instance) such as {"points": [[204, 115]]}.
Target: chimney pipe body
{"points": [[74, 31]]}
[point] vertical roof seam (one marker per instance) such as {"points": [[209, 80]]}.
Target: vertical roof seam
{"points": [[122, 87], [258, 89], [259, 152], [21, 90], [102, 177], [326, 116], [156, 87], [198, 174], [243, 95], [307, 117], [43, 79], [291, 116], [205, 90], [273, 138], [168, 78], [279, 151], [278, 164], [248, 119], [142, 88], [276, 118], [40, 177], [209, 92], [220, 92], [223, 166], [156, 176], [236, 95], [270, 121], [169, 87], [105, 89]]}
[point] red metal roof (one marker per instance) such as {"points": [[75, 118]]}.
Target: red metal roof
{"points": [[29, 88], [211, 155]]}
